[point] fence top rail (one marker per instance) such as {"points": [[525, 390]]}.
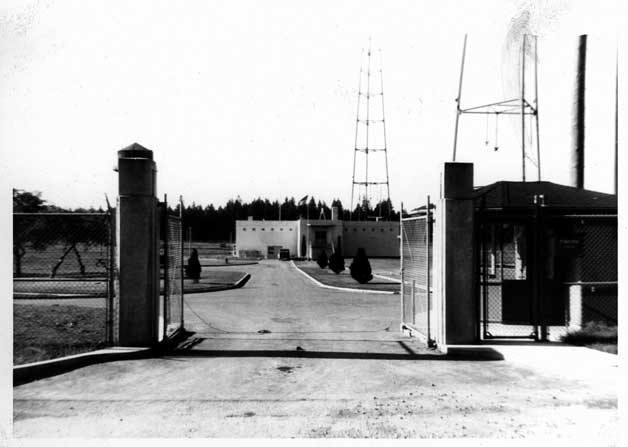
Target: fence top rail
{"points": [[407, 219], [551, 210], [585, 216], [497, 282], [104, 213]]}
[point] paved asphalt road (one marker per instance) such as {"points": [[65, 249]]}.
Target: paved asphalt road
{"points": [[235, 382], [281, 300]]}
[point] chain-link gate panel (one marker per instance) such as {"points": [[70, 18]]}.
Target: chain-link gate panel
{"points": [[416, 253], [173, 276], [507, 305]]}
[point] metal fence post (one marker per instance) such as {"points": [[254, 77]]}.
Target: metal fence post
{"points": [[182, 256], [428, 283], [166, 231], [401, 264]]}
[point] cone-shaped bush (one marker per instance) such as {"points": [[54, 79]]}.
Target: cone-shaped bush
{"points": [[336, 262], [322, 260], [361, 267]]}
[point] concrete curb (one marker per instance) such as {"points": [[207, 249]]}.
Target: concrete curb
{"points": [[343, 289], [39, 370], [230, 265], [64, 296], [236, 285], [389, 278], [56, 296]]}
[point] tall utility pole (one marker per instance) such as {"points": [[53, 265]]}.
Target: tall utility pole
{"points": [[616, 115], [578, 126], [517, 106], [367, 149]]}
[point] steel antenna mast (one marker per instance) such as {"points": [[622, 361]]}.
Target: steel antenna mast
{"points": [[381, 92], [367, 149], [357, 121], [368, 111], [516, 106]]}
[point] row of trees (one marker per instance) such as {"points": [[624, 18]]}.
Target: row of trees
{"points": [[64, 230], [360, 268], [210, 223]]}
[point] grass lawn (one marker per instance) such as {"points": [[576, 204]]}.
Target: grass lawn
{"points": [[42, 332], [594, 335], [344, 279], [384, 266]]}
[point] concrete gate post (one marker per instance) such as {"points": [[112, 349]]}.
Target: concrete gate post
{"points": [[137, 248], [454, 271]]}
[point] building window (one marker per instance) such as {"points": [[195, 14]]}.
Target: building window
{"points": [[355, 229], [272, 229], [382, 232], [363, 229], [243, 229], [346, 229], [252, 229], [263, 229], [290, 229], [281, 229], [372, 229]]}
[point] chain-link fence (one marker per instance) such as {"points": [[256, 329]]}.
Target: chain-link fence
{"points": [[62, 284], [416, 273], [581, 259], [544, 275]]}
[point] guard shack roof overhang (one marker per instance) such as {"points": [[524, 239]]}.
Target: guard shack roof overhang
{"points": [[522, 198]]}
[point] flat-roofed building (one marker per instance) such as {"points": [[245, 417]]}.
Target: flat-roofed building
{"points": [[307, 238]]}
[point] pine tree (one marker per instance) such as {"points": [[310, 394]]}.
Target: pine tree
{"points": [[361, 267], [322, 260], [336, 262]]}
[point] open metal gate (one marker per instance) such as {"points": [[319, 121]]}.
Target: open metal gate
{"points": [[416, 273], [172, 286]]}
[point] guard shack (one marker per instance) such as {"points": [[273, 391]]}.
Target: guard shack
{"points": [[510, 260], [546, 257]]}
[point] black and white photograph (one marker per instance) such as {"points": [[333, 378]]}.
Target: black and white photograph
{"points": [[246, 221]]}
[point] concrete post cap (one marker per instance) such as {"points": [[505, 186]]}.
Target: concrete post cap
{"points": [[135, 151]]}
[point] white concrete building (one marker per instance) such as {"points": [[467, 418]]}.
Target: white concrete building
{"points": [[307, 238]]}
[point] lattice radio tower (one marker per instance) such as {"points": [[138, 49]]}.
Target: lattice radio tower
{"points": [[516, 106], [365, 145]]}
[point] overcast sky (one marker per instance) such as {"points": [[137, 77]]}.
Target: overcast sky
{"points": [[259, 98]]}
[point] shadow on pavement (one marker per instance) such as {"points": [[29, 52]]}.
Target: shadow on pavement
{"points": [[475, 353]]}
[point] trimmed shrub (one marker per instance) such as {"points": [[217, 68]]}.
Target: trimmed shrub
{"points": [[361, 267], [322, 260], [336, 262], [592, 332]]}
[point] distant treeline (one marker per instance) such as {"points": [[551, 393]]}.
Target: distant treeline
{"points": [[31, 202], [209, 223]]}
